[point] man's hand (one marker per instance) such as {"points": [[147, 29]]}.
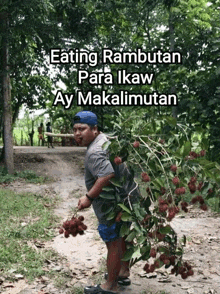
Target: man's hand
{"points": [[84, 202]]}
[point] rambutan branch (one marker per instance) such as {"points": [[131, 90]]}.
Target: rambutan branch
{"points": [[159, 163]]}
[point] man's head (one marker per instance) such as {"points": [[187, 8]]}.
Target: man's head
{"points": [[85, 127]]}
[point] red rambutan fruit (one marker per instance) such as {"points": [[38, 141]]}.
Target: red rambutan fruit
{"points": [[194, 200], [210, 191], [172, 259], [202, 153], [146, 267], [202, 201], [66, 234], [199, 187], [150, 234], [184, 275], [84, 227], [182, 190], [193, 154], [170, 216], [61, 231], [177, 191], [152, 268], [176, 209], [163, 257], [117, 160], [166, 261], [153, 252], [163, 208], [192, 187], [162, 190], [162, 201], [160, 236], [173, 168], [184, 204], [193, 180], [81, 218], [66, 225], [72, 224], [145, 177], [136, 144], [176, 181], [204, 207], [169, 199]]}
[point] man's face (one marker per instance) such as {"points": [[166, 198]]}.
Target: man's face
{"points": [[83, 134]]}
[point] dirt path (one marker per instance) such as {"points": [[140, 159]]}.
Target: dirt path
{"points": [[86, 254]]}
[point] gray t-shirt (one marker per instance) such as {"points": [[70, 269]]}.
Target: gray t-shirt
{"points": [[97, 164]]}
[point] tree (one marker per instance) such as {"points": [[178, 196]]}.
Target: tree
{"points": [[6, 87], [35, 27]]}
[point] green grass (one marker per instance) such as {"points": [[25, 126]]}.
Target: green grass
{"points": [[23, 219], [76, 290], [21, 136], [27, 175]]}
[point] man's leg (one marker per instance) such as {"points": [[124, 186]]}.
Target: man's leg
{"points": [[115, 266], [124, 271]]}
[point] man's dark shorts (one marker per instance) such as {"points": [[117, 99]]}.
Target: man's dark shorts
{"points": [[112, 233]]}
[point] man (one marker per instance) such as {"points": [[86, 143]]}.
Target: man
{"points": [[41, 134], [98, 172], [49, 138]]}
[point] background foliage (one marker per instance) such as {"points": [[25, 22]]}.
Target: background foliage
{"points": [[190, 27]]}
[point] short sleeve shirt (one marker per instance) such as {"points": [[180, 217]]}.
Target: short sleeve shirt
{"points": [[97, 164]]}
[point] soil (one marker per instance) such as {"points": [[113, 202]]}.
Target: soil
{"points": [[85, 255]]}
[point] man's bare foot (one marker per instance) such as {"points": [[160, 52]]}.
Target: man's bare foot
{"points": [[124, 272], [110, 287]]}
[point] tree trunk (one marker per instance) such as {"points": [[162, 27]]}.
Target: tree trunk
{"points": [[6, 87]]}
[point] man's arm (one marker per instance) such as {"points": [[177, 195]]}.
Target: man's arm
{"points": [[94, 192], [99, 184]]}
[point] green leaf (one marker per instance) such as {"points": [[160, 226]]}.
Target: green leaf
{"points": [[131, 236], [107, 195], [116, 182], [137, 211], [163, 249], [158, 183], [167, 159], [128, 254], [179, 252], [154, 126], [108, 189], [111, 215], [124, 208], [141, 239], [126, 217], [137, 228], [166, 230], [185, 149], [171, 120], [125, 230], [137, 253], [145, 251], [106, 208], [184, 240], [106, 145]]}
